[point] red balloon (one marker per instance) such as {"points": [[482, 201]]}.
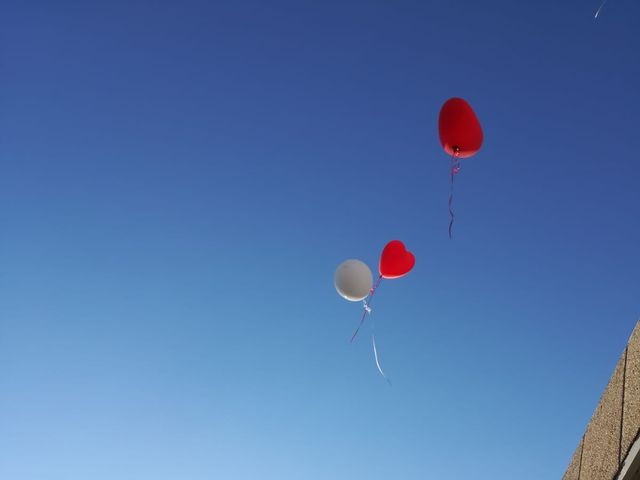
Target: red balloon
{"points": [[396, 261], [460, 130]]}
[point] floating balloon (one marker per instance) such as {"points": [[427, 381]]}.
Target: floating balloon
{"points": [[460, 130], [396, 261], [353, 280], [460, 136]]}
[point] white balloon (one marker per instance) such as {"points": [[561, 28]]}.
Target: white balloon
{"points": [[353, 280]]}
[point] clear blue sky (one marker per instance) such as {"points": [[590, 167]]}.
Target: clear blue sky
{"points": [[179, 180]]}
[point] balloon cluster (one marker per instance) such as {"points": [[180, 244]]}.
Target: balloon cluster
{"points": [[354, 281], [461, 137]]}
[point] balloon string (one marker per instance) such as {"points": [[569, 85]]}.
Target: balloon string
{"points": [[366, 309], [375, 354], [455, 168]]}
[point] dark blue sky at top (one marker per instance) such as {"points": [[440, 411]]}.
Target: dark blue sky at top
{"points": [[179, 180]]}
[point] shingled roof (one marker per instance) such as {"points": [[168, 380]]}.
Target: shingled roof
{"points": [[609, 447]]}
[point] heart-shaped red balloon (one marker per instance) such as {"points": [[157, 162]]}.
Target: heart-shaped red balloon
{"points": [[396, 261], [460, 130]]}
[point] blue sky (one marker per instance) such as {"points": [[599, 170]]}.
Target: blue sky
{"points": [[179, 180]]}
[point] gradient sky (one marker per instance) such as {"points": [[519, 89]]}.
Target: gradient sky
{"points": [[179, 181]]}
